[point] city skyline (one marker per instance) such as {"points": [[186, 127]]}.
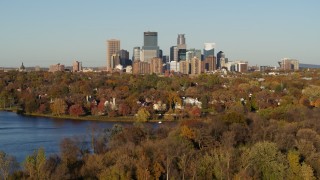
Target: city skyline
{"points": [[45, 33]]}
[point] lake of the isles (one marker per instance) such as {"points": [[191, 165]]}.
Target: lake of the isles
{"points": [[21, 135]]}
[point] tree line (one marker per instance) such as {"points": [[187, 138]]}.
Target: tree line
{"points": [[250, 126]]}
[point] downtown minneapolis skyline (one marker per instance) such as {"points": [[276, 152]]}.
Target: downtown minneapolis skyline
{"points": [[48, 32]]}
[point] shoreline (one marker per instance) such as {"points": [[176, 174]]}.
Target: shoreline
{"points": [[122, 119]]}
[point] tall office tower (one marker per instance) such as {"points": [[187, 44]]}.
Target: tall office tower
{"points": [[173, 53], [136, 54], [182, 47], [150, 48], [181, 42], [182, 54], [208, 49], [124, 57], [113, 47], [220, 56]]}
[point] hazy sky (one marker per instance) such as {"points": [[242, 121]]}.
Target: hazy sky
{"points": [[43, 32]]}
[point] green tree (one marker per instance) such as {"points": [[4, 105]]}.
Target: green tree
{"points": [[264, 161]]}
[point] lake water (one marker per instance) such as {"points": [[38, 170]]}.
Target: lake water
{"points": [[21, 135]]}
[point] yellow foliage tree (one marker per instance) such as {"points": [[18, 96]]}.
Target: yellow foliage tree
{"points": [[58, 107], [187, 132], [297, 170], [143, 115]]}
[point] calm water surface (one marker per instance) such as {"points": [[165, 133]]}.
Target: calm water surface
{"points": [[21, 135]]}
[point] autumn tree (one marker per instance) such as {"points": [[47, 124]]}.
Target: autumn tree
{"points": [[234, 117], [8, 164], [76, 110], [143, 115], [173, 99], [264, 161], [296, 169], [195, 111], [313, 92], [58, 107], [34, 164], [72, 150], [124, 109]]}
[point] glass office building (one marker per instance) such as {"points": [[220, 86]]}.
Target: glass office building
{"points": [[150, 48], [208, 49]]}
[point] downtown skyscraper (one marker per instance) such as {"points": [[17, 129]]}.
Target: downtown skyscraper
{"points": [[182, 47], [150, 48], [113, 48], [208, 49]]}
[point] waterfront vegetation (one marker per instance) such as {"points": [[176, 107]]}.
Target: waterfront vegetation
{"points": [[239, 126]]}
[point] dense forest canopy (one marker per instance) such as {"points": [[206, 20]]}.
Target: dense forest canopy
{"points": [[235, 126]]}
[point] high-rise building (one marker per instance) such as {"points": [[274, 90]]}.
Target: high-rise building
{"points": [[139, 67], [242, 67], [181, 42], [173, 53], [195, 66], [160, 53], [124, 57], [191, 53], [208, 49], [56, 67], [220, 56], [184, 67], [182, 54], [150, 48], [113, 47], [150, 39], [223, 62], [289, 64], [209, 64], [165, 59], [136, 54], [182, 47], [174, 66], [156, 66], [76, 66], [115, 60]]}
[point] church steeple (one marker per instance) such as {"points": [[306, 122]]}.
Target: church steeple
{"points": [[22, 68]]}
